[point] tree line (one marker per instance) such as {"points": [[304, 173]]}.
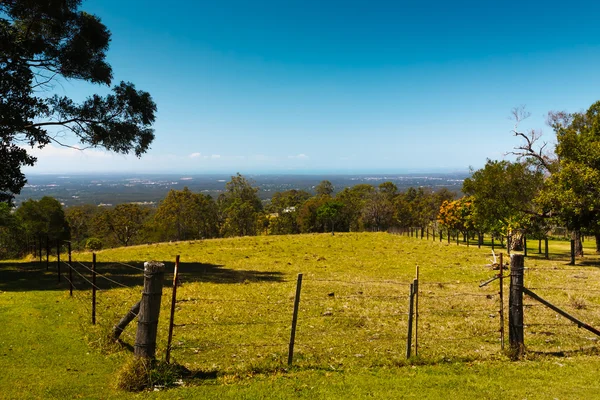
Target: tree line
{"points": [[238, 211]]}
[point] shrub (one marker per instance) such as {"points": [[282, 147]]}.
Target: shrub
{"points": [[93, 244]]}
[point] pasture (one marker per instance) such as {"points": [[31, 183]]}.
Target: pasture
{"points": [[234, 312]]}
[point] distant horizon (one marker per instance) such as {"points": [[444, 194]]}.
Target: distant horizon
{"points": [[407, 172]]}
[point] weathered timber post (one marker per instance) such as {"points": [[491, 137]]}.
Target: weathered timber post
{"points": [[70, 273], [416, 290], [173, 302], [145, 338], [47, 253], [294, 320], [410, 319], [515, 305], [58, 258], [93, 288], [501, 294], [572, 252], [130, 316], [525, 245]]}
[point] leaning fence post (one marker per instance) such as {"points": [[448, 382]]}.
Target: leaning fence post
{"points": [[173, 301], [410, 320], [145, 338], [515, 305], [93, 288], [294, 320]]}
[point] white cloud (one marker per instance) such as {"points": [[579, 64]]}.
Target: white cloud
{"points": [[52, 151], [299, 157], [195, 155], [215, 156]]}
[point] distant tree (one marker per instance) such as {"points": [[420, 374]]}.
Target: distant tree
{"points": [[324, 188], [45, 41], [286, 207], [11, 234], [44, 217], [504, 195], [378, 211], [177, 214], [457, 215], [330, 212], [125, 222], [240, 207], [79, 219], [354, 200], [308, 222]]}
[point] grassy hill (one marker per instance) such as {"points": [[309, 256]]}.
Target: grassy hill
{"points": [[234, 313]]}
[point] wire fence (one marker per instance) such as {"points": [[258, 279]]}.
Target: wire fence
{"points": [[340, 322]]}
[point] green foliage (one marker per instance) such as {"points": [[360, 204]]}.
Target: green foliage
{"points": [[330, 212], [504, 197], [239, 207], [44, 217], [185, 215], [324, 188], [125, 222], [286, 207], [93, 244], [44, 41]]}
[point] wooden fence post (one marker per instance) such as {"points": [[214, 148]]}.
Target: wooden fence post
{"points": [[58, 258], [145, 338], [524, 245], [515, 316], [410, 320], [70, 273], [416, 290], [294, 320], [47, 253], [93, 288], [501, 279], [173, 302], [546, 247]]}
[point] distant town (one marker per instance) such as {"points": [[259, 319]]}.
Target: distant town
{"points": [[112, 189]]}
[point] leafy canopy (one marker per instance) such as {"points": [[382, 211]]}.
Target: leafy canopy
{"points": [[45, 41]]}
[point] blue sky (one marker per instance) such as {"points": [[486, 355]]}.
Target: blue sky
{"points": [[347, 87]]}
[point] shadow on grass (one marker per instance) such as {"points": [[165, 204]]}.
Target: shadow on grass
{"points": [[30, 276]]}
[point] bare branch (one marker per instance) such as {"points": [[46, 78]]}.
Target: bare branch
{"points": [[531, 138]]}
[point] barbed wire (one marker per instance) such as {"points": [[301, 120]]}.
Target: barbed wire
{"points": [[80, 274], [127, 265], [391, 282], [103, 276], [565, 289], [237, 323], [213, 300]]}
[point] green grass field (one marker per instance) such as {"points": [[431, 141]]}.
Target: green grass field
{"points": [[234, 313]]}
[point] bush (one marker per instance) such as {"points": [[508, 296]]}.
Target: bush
{"points": [[93, 244]]}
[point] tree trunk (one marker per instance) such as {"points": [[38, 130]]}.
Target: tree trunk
{"points": [[576, 236], [597, 236]]}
